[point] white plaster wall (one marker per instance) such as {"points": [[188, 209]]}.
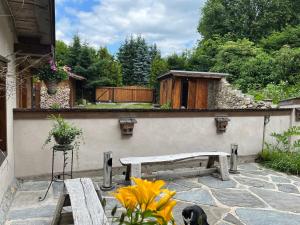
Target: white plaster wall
{"points": [[6, 50], [152, 136]]}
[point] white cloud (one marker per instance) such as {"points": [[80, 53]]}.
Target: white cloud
{"points": [[171, 24]]}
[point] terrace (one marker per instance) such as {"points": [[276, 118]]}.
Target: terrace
{"points": [[256, 196]]}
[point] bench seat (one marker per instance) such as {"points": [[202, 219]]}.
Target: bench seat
{"points": [[134, 163]]}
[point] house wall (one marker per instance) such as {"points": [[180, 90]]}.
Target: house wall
{"points": [[157, 132], [6, 50]]}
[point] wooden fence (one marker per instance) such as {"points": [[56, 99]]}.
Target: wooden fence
{"points": [[124, 94]]}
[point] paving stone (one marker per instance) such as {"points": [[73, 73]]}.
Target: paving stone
{"points": [[196, 196], [289, 188], [188, 183], [279, 200], [249, 166], [176, 187], [297, 184], [266, 217], [40, 212], [213, 213], [111, 203], [237, 198], [255, 183], [34, 186], [213, 182], [24, 199], [249, 175], [258, 172], [278, 179], [31, 222], [232, 219]]}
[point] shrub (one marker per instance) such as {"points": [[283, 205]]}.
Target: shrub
{"points": [[284, 155]]}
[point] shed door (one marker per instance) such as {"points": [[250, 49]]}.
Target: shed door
{"points": [[198, 94]]}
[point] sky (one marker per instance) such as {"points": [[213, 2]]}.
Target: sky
{"points": [[171, 24]]}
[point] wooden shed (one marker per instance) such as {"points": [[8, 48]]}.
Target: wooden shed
{"points": [[188, 89]]}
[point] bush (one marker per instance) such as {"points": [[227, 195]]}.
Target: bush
{"points": [[283, 155], [288, 162]]}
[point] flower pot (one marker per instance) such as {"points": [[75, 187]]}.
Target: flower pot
{"points": [[61, 140], [51, 86]]}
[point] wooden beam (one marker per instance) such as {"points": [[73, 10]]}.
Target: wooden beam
{"points": [[32, 49]]}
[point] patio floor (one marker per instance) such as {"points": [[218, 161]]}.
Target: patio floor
{"points": [[256, 196]]}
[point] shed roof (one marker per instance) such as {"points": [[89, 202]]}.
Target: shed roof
{"points": [[192, 74], [75, 76]]}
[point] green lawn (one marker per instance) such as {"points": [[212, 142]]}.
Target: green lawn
{"points": [[120, 106]]}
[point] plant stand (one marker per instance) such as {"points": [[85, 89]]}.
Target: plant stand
{"points": [[65, 150]]}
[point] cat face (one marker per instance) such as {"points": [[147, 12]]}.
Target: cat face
{"points": [[194, 215]]}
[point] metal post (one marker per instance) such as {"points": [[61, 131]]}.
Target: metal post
{"points": [[234, 158], [107, 171]]}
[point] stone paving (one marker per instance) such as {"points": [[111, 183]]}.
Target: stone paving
{"points": [[255, 196]]}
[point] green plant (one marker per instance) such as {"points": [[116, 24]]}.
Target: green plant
{"points": [[284, 155], [64, 133], [166, 105], [284, 142], [55, 106], [50, 72], [288, 162]]}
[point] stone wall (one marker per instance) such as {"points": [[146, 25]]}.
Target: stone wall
{"points": [[226, 96], [61, 98]]}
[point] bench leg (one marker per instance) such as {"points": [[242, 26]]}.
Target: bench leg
{"points": [[127, 175], [136, 171], [211, 161], [224, 167]]}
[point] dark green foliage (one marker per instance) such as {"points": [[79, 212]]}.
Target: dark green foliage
{"points": [[253, 19], [135, 57], [177, 62], [284, 155], [61, 53], [159, 66], [276, 92], [288, 162], [74, 52], [290, 36]]}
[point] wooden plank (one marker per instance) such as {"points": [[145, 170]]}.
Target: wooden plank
{"points": [[86, 206], [176, 94], [192, 94], [168, 158], [201, 94]]}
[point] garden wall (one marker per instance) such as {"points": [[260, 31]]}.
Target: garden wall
{"points": [[156, 132]]}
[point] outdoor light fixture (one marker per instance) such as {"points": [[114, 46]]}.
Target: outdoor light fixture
{"points": [[127, 125], [221, 123], [234, 158]]}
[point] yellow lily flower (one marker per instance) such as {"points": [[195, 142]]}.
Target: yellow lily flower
{"points": [[165, 199], [166, 213]]}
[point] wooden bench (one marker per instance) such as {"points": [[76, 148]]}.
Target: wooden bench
{"points": [[133, 164], [81, 195]]}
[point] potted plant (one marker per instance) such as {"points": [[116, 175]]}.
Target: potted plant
{"points": [[51, 75], [64, 133]]}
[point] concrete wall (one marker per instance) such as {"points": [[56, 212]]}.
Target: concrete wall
{"points": [[6, 50], [156, 133]]}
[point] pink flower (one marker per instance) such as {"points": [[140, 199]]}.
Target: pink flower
{"points": [[52, 65]]}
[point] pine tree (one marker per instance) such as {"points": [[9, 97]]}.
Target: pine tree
{"points": [[134, 56], [74, 52]]}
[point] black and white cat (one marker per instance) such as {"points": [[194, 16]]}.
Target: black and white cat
{"points": [[194, 215]]}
